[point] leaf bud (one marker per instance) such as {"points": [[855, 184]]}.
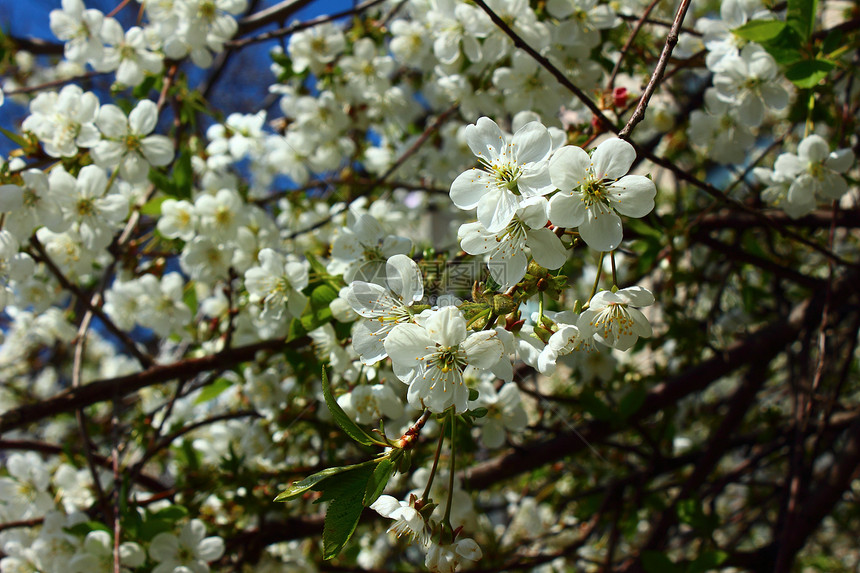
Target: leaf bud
{"points": [[542, 334], [503, 304]]}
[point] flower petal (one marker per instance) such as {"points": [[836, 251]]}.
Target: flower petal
{"points": [[567, 210], [485, 139], [446, 326], [547, 249], [483, 349], [632, 195], [531, 143], [602, 231], [568, 167], [143, 117], [495, 210], [468, 188], [404, 278], [407, 344], [612, 159]]}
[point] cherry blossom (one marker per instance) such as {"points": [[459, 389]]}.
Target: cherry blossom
{"points": [[614, 318], [593, 188], [430, 358], [511, 170]]}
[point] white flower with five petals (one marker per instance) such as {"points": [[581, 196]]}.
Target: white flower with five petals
{"points": [[512, 170], [594, 188], [407, 522], [815, 170], [446, 558], [612, 318], [276, 282], [127, 141], [189, 552], [431, 357]]}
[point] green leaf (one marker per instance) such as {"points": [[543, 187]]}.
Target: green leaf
{"points": [[162, 182], [760, 30], [183, 176], [341, 419], [832, 42], [320, 309], [17, 139], [189, 297], [322, 297], [141, 91], [316, 265], [296, 330], [800, 15], [152, 526], [213, 390], [707, 561], [807, 73], [378, 480], [785, 48], [346, 494], [172, 513], [152, 208], [299, 487], [657, 562], [479, 412], [631, 402]]}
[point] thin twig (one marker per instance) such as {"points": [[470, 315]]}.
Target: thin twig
{"points": [[629, 43], [671, 41], [241, 43]]}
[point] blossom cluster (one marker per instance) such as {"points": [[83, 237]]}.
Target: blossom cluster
{"points": [[418, 210]]}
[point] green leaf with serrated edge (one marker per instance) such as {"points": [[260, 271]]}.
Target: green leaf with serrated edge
{"points": [[346, 494], [213, 390], [299, 487], [800, 15], [378, 480], [760, 30], [341, 419], [807, 73]]}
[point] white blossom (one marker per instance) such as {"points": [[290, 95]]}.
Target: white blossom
{"points": [[430, 358], [512, 170], [190, 551], [614, 318], [593, 188]]}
